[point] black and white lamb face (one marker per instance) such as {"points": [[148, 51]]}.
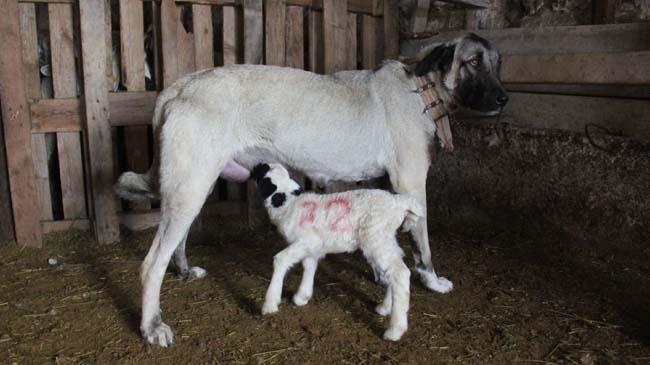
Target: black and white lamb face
{"points": [[274, 184]]}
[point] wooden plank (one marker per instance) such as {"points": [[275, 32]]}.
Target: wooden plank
{"points": [[17, 134], [169, 15], [370, 53], [132, 108], [6, 217], [628, 116], [253, 31], [49, 1], [618, 91], [372, 7], [295, 56], [275, 15], [203, 36], [136, 138], [250, 208], [65, 225], [391, 29], [231, 55], [231, 36], [29, 39], [185, 43], [316, 47], [565, 39], [352, 42], [56, 115], [588, 68], [111, 77], [100, 154], [64, 85], [335, 21]]}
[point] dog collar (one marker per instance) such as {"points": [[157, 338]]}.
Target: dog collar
{"points": [[435, 106]]}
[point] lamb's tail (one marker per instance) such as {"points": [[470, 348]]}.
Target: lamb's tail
{"points": [[414, 211]]}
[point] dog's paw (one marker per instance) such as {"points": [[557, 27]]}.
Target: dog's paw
{"points": [[159, 334], [435, 283], [196, 272], [394, 334], [269, 308], [301, 299], [383, 309]]}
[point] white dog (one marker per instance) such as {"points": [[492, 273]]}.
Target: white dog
{"points": [[350, 126], [315, 225]]}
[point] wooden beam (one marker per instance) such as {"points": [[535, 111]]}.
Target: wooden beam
{"points": [[131, 108], [17, 130], [335, 23], [100, 151], [538, 111], [315, 52], [617, 91], [370, 42], [253, 31], [65, 225], [169, 19], [231, 36], [585, 68], [295, 56], [565, 39], [275, 15], [351, 42]]}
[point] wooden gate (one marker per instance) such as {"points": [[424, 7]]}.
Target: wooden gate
{"points": [[73, 126]]}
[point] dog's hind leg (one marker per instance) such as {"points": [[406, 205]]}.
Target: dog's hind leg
{"points": [[409, 182]]}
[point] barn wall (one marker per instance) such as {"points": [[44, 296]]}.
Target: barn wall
{"points": [[535, 170]]}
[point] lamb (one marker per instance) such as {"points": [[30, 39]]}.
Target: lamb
{"points": [[317, 224]]}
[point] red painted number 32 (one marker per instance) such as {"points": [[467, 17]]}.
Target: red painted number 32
{"points": [[342, 207]]}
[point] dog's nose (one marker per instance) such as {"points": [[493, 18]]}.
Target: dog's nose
{"points": [[502, 100]]}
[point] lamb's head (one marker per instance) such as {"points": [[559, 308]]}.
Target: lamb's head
{"points": [[274, 184]]}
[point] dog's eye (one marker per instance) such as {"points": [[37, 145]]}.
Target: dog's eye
{"points": [[474, 62]]}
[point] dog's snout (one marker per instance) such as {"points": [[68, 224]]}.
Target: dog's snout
{"points": [[502, 100]]}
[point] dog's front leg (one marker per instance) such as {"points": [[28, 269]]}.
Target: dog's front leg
{"points": [[412, 180]]}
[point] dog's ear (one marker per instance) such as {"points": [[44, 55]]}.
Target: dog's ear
{"points": [[278, 199], [259, 171], [440, 58], [266, 187]]}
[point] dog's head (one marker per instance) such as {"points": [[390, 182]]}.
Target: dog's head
{"points": [[469, 69], [274, 184]]}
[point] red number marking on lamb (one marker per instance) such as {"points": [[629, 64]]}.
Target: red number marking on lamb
{"points": [[310, 215], [346, 206]]}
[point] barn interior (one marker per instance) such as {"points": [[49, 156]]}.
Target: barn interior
{"points": [[540, 216]]}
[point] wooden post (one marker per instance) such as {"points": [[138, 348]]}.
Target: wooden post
{"points": [[168, 25], [371, 50], [335, 24], [6, 219], [64, 85], [352, 42], [251, 207], [275, 15], [295, 49], [98, 131], [17, 130]]}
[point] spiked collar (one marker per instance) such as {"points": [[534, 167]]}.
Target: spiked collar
{"points": [[438, 112]]}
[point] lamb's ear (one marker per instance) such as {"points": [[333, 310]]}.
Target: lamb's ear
{"points": [[266, 187], [278, 199], [259, 171], [440, 58]]}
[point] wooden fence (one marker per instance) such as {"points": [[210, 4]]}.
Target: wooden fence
{"points": [[64, 150]]}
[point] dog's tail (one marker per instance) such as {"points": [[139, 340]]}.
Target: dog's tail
{"points": [[414, 211]]}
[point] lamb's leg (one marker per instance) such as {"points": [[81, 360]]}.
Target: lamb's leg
{"points": [[306, 288], [282, 262], [182, 267]]}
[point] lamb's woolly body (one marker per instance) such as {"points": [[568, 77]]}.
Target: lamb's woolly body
{"points": [[315, 225]]}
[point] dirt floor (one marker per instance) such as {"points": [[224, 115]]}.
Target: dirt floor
{"points": [[516, 299]]}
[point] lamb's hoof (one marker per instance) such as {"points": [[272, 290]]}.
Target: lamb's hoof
{"points": [[435, 283], [382, 310], [393, 334], [269, 308], [160, 334], [301, 299]]}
